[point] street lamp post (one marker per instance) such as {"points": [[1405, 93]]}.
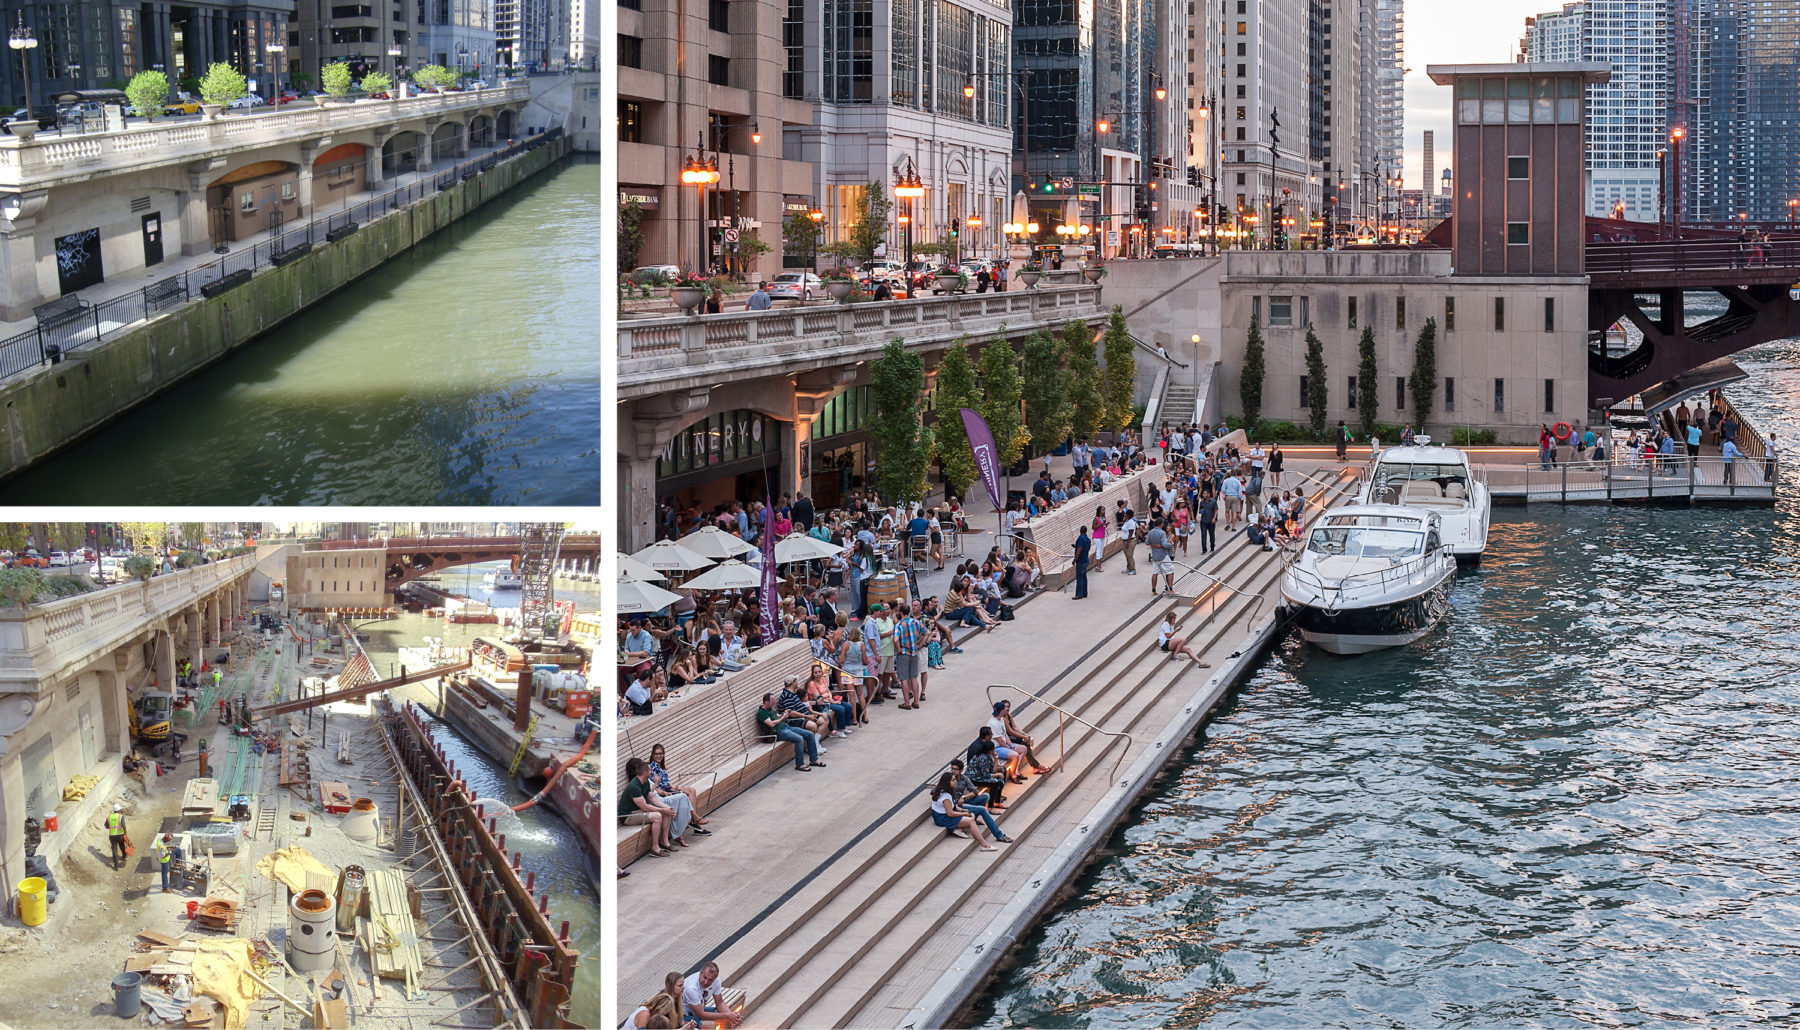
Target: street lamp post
{"points": [[700, 173], [22, 40], [394, 54], [818, 221], [909, 188], [278, 63], [1675, 136], [1662, 193]]}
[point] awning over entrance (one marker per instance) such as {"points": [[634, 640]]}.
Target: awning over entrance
{"points": [[1710, 376]]}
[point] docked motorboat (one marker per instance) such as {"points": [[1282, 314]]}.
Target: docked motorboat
{"points": [[1370, 576], [504, 579], [1440, 480]]}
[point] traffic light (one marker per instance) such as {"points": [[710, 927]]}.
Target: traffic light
{"points": [[956, 229], [1049, 183]]}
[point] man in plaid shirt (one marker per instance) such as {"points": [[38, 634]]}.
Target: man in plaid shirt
{"points": [[909, 637]]}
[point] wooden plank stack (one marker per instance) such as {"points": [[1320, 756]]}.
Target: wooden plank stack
{"points": [[391, 930]]}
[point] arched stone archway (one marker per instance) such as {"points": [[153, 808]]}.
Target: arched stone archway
{"points": [[481, 131], [253, 198], [506, 124], [401, 153], [449, 141], [339, 172]]}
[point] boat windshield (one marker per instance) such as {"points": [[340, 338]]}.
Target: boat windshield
{"points": [[1359, 542], [1411, 483]]}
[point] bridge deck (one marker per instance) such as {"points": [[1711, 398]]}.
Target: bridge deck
{"points": [[1693, 263]]}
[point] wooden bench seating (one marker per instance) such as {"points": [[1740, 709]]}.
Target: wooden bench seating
{"points": [[711, 736]]}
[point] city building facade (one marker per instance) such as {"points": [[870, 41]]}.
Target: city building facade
{"points": [[90, 45], [1735, 78], [531, 35], [695, 82], [460, 34], [584, 34], [362, 35], [1390, 87], [1266, 142]]}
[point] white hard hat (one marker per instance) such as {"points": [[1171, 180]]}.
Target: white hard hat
{"points": [[116, 808]]}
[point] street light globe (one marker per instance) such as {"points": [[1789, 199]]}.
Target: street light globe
{"points": [[1085, 230], [969, 91], [1031, 227], [1194, 338]]}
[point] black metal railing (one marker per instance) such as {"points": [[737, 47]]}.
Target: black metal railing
{"points": [[53, 339]]}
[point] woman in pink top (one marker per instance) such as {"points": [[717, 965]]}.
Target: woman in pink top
{"points": [[1099, 534]]}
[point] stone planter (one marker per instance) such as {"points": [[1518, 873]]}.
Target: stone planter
{"points": [[1092, 274], [840, 289], [687, 298], [24, 128], [321, 100], [1031, 279], [211, 111]]}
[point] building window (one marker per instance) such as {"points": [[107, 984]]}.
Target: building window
{"points": [[1303, 391], [1305, 311], [1549, 314], [849, 57], [718, 70], [1499, 314], [1240, 176], [1240, 134], [1241, 27], [1399, 392], [1255, 309], [718, 15], [632, 5], [1518, 168], [1240, 112], [1281, 312], [1449, 393], [631, 121], [1352, 324], [1242, 50], [1549, 395], [631, 52], [793, 40], [1240, 75], [1518, 234], [1352, 393], [1399, 312], [1499, 395], [1449, 313]]}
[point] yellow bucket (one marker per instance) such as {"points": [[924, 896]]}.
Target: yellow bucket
{"points": [[32, 903]]}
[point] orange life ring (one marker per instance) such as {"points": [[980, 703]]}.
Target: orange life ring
{"points": [[1562, 430]]}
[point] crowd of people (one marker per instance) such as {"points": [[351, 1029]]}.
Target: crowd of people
{"points": [[1092, 467]]}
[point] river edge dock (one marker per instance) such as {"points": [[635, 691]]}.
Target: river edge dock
{"points": [[837, 902]]}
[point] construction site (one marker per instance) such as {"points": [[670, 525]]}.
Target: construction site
{"points": [[327, 867]]}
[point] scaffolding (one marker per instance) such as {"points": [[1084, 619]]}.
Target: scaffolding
{"points": [[538, 546]]}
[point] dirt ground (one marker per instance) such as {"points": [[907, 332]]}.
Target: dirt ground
{"points": [[65, 967]]}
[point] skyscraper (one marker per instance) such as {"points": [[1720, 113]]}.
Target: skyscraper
{"points": [[1626, 115], [1735, 80], [1390, 86]]}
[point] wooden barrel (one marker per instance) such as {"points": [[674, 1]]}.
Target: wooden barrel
{"points": [[888, 588]]}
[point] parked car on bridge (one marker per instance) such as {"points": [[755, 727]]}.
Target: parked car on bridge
{"points": [[795, 286]]}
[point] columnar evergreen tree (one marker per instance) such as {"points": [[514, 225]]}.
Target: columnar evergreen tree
{"points": [[1121, 372], [1315, 383], [1250, 380], [902, 441], [956, 390], [1047, 410], [1087, 405], [1423, 381], [1001, 388], [1368, 391]]}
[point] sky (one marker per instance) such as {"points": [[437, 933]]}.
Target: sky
{"points": [[1453, 32]]}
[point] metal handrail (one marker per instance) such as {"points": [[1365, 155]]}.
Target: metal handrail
{"points": [[1063, 716], [1194, 570]]}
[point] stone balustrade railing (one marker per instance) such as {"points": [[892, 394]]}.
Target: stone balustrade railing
{"points": [[25, 164], [38, 640], [655, 352]]}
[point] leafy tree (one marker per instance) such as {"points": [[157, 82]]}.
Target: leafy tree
{"points": [[336, 77], [869, 230], [1315, 382], [1368, 389], [1087, 404], [1250, 382], [1047, 411], [902, 441], [1423, 381], [375, 82], [1121, 372], [299, 81], [956, 390], [14, 536], [800, 234], [222, 84], [631, 238], [435, 76], [193, 534], [149, 93], [1001, 389], [751, 245], [189, 85]]}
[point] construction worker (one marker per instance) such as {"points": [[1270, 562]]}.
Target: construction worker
{"points": [[217, 678], [165, 850], [115, 836]]}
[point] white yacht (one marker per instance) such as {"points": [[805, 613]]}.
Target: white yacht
{"points": [[504, 579], [1370, 576], [1441, 480]]}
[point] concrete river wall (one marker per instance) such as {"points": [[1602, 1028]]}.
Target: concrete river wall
{"points": [[63, 402]]}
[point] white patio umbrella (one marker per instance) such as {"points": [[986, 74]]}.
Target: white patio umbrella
{"points": [[636, 598], [669, 556], [629, 566], [800, 547], [727, 575], [713, 543]]}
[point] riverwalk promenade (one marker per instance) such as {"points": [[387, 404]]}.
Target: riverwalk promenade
{"points": [[830, 899]]}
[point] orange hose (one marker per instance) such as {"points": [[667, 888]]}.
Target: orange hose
{"points": [[551, 782]]}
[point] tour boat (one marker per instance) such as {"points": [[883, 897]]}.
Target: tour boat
{"points": [[1439, 480], [504, 579], [1370, 576]]}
